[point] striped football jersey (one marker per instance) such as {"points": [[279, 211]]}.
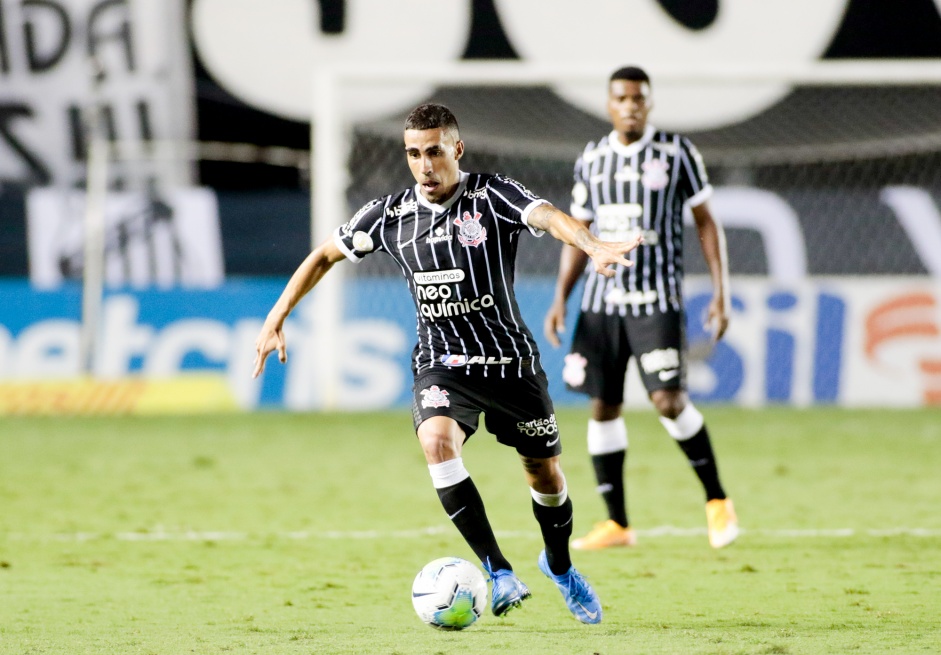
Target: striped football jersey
{"points": [[458, 258], [639, 188]]}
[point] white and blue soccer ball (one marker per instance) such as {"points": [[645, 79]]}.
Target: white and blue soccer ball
{"points": [[449, 593]]}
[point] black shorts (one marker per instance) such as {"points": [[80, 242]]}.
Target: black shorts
{"points": [[603, 344], [518, 411]]}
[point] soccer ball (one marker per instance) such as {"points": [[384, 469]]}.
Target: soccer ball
{"points": [[449, 593]]}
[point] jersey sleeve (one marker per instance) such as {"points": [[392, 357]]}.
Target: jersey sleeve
{"points": [[581, 207], [362, 234], [694, 180], [517, 201]]}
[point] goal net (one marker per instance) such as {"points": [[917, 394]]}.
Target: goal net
{"points": [[834, 176]]}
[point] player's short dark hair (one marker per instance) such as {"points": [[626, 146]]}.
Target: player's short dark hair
{"points": [[631, 74], [430, 116]]}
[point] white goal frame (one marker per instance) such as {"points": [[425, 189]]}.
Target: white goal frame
{"points": [[330, 135]]}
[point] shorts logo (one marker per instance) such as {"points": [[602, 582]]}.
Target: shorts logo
{"points": [[573, 373], [655, 174], [435, 397], [471, 233], [664, 359], [539, 427]]}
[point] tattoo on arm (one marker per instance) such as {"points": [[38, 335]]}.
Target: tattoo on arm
{"points": [[541, 215]]}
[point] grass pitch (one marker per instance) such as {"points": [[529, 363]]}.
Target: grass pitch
{"points": [[279, 533]]}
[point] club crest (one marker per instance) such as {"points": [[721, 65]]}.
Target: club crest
{"points": [[573, 373], [470, 231], [655, 174], [435, 397]]}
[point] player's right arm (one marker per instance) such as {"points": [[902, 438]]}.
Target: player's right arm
{"points": [[305, 278], [572, 264]]}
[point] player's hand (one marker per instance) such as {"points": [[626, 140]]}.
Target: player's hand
{"points": [[270, 338], [607, 253], [717, 318], [554, 323]]}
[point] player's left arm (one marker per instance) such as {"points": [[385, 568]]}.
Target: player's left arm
{"points": [[572, 231], [712, 240]]}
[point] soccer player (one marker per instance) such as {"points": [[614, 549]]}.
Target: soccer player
{"points": [[636, 181], [454, 235]]}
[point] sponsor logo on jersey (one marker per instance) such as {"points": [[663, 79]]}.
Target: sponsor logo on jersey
{"points": [[434, 397], [476, 194], [655, 175], [463, 360], [627, 174], [403, 208], [362, 242], [447, 276], [663, 359], [518, 185], [615, 221], [667, 148], [540, 427], [436, 301], [618, 296], [365, 208], [471, 232], [440, 235], [573, 373]]}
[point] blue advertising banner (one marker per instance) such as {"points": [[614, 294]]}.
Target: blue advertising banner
{"points": [[827, 340]]}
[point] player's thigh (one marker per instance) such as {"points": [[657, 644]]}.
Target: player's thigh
{"points": [[658, 342], [598, 359], [521, 415], [435, 394]]}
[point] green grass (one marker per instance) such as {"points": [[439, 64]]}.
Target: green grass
{"points": [[278, 533]]}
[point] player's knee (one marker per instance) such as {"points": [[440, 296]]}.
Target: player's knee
{"points": [[606, 437], [669, 403], [686, 425], [440, 441]]}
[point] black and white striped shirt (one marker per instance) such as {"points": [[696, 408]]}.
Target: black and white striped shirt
{"points": [[642, 187], [459, 259]]}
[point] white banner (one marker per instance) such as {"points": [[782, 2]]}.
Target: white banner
{"points": [[150, 240], [47, 86]]}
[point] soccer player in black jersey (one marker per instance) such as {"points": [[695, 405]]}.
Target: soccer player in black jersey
{"points": [[636, 181], [454, 236]]}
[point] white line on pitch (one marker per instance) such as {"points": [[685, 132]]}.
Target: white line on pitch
{"points": [[161, 534]]}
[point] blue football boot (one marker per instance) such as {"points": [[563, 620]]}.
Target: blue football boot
{"points": [[508, 593], [581, 599]]}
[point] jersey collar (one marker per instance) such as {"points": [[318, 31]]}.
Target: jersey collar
{"points": [[443, 207], [634, 148]]}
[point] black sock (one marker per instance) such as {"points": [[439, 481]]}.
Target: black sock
{"points": [[556, 526], [465, 508], [609, 472], [698, 451]]}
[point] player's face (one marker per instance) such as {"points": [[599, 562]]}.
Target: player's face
{"points": [[629, 103], [433, 157]]}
